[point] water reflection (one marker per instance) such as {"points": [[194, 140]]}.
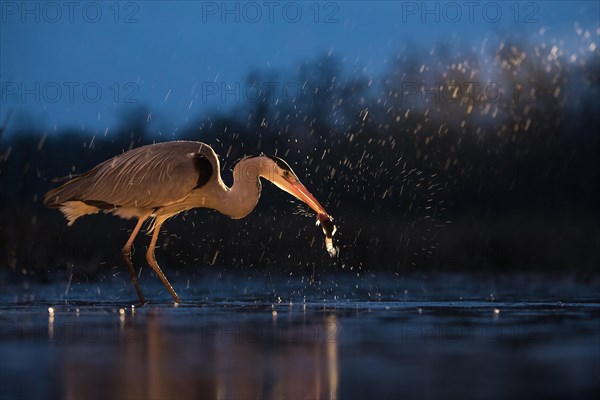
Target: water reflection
{"points": [[156, 356], [242, 349], [50, 324]]}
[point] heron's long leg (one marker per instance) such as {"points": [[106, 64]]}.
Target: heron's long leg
{"points": [[127, 256], [152, 261]]}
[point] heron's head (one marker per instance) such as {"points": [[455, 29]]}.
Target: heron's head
{"points": [[280, 173]]}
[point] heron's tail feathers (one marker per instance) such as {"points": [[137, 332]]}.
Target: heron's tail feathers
{"points": [[55, 198], [75, 209], [66, 198]]}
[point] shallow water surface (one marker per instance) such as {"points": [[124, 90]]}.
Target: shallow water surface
{"points": [[449, 336]]}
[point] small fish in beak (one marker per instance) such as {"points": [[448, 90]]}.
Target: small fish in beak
{"points": [[329, 230]]}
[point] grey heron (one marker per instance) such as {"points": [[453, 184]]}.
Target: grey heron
{"points": [[158, 181]]}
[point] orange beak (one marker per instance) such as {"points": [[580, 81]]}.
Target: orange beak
{"points": [[298, 190]]}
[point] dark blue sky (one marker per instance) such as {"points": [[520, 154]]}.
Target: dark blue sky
{"points": [[81, 66]]}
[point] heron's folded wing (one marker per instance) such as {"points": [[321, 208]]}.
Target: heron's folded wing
{"points": [[149, 176]]}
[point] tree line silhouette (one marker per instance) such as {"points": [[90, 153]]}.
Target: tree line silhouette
{"points": [[446, 161]]}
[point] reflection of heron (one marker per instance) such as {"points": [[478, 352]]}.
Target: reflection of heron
{"points": [[161, 180]]}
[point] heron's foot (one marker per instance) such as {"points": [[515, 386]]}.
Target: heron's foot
{"points": [[142, 302]]}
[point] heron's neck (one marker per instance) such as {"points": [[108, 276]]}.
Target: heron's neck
{"points": [[243, 195]]}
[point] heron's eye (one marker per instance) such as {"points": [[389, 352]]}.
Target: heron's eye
{"points": [[287, 175]]}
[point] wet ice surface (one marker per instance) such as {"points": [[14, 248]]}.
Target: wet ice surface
{"points": [[441, 336]]}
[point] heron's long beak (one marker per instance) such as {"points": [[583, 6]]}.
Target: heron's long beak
{"points": [[298, 190]]}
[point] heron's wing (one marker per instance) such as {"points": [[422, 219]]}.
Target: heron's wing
{"points": [[146, 177]]}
